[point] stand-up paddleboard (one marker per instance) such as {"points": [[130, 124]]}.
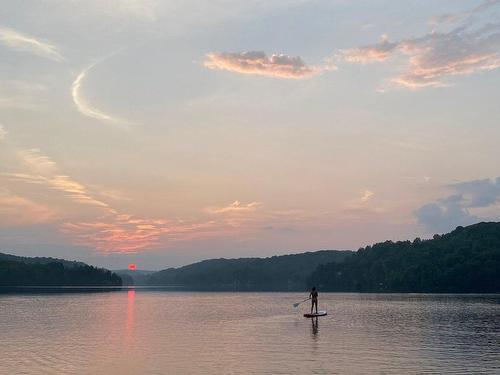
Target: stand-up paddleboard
{"points": [[314, 315]]}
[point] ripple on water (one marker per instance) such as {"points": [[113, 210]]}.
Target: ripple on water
{"points": [[159, 332]]}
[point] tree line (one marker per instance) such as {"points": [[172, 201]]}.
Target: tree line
{"points": [[18, 273], [464, 261]]}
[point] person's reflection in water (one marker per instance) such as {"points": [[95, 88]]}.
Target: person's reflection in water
{"points": [[315, 326]]}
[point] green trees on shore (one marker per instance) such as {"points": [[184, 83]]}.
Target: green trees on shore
{"points": [[463, 261], [19, 273], [285, 272]]}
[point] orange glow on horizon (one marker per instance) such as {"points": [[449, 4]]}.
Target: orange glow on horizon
{"points": [[132, 266]]}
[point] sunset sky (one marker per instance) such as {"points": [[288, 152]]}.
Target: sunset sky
{"points": [[164, 132]]}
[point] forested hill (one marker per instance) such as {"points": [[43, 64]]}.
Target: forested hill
{"points": [[463, 261], [25, 271], [286, 272], [41, 260]]}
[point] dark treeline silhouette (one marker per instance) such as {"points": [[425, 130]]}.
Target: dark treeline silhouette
{"points": [[463, 261], [135, 277], [286, 272], [23, 271], [41, 260]]}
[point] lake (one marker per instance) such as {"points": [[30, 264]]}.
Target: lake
{"points": [[163, 332]]}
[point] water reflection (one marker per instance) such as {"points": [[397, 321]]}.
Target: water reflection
{"points": [[130, 316], [139, 332], [315, 326]]}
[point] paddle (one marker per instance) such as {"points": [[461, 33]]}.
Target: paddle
{"points": [[298, 303]]}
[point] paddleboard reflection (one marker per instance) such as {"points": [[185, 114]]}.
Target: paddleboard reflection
{"points": [[314, 326]]}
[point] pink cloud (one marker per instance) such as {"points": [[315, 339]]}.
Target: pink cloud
{"points": [[42, 170], [235, 207], [439, 55], [369, 54], [258, 63], [432, 58], [125, 234], [105, 229], [16, 210], [460, 17]]}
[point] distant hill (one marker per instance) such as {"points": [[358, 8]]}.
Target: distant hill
{"points": [[40, 260], [286, 272], [26, 271], [134, 277], [466, 260], [463, 261]]}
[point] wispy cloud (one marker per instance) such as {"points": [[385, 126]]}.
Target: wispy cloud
{"points": [[258, 63], [369, 54], [439, 55], [432, 58], [115, 195], [463, 16], [27, 43], [367, 195], [3, 133], [235, 207], [127, 234], [361, 205], [16, 210], [81, 103], [42, 170], [107, 230]]}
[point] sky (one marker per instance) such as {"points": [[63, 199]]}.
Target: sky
{"points": [[166, 132]]}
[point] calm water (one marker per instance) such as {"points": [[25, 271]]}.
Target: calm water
{"points": [[158, 332]]}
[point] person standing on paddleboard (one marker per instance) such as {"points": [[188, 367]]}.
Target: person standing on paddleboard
{"points": [[313, 296]]}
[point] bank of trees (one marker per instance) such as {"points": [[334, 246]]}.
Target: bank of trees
{"points": [[286, 272], [19, 273], [463, 261]]}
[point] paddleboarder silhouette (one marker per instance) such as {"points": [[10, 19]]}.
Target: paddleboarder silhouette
{"points": [[314, 299]]}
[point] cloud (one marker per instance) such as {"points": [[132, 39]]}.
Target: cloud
{"points": [[115, 195], [3, 133], [478, 193], [235, 207], [81, 103], [26, 43], [107, 231], [94, 223], [444, 215], [105, 228], [432, 58], [258, 63], [127, 234], [367, 195], [360, 205], [16, 210], [42, 170], [447, 213], [369, 54], [460, 17], [439, 55]]}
